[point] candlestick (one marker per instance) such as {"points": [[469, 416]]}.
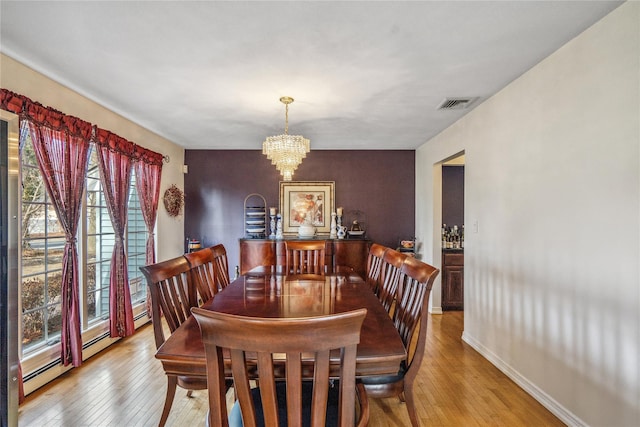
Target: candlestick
{"points": [[339, 211], [272, 211], [334, 230], [279, 234], [273, 225]]}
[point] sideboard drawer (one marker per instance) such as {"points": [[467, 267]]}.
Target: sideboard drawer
{"points": [[453, 259]]}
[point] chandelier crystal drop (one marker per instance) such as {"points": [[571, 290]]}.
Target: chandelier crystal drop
{"points": [[286, 151]]}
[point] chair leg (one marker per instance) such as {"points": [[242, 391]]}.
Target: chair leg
{"points": [[172, 382], [189, 393], [410, 404]]}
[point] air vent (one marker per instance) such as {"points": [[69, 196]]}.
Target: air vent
{"points": [[456, 103]]}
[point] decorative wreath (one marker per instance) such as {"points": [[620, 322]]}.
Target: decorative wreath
{"points": [[173, 200]]}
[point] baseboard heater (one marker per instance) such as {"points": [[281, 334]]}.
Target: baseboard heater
{"points": [[85, 345]]}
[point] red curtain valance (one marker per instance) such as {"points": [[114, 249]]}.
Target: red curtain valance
{"points": [[117, 144], [13, 102], [51, 118]]}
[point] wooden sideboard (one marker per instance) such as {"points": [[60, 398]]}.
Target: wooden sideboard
{"points": [[271, 252], [452, 279]]}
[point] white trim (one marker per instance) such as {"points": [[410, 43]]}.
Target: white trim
{"points": [[54, 351], [435, 310], [545, 400]]}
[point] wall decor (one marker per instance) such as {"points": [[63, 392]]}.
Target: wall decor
{"points": [[173, 200], [306, 200]]}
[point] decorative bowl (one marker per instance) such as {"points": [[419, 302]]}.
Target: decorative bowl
{"points": [[407, 244], [306, 230]]}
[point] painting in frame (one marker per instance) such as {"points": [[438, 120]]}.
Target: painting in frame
{"points": [[300, 200]]}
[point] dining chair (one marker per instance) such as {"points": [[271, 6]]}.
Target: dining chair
{"points": [[172, 297], [304, 257], [221, 266], [283, 397], [392, 262], [410, 318], [202, 273], [374, 265]]}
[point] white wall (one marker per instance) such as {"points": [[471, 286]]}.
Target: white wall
{"points": [[552, 177], [18, 78]]}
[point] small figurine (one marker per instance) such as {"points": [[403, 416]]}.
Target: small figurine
{"points": [[279, 227], [333, 233]]}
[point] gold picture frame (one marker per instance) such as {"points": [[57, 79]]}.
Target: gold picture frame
{"points": [[300, 200]]}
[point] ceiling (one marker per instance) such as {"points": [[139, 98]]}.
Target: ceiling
{"points": [[364, 75]]}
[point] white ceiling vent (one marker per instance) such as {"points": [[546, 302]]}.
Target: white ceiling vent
{"points": [[456, 103]]}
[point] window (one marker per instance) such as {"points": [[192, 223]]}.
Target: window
{"points": [[99, 244], [136, 240], [41, 262], [42, 249]]}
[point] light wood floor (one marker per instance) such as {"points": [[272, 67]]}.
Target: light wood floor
{"points": [[125, 386]]}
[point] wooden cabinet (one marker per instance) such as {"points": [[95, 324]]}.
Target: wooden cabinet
{"points": [[351, 253], [338, 252], [452, 279], [256, 253]]}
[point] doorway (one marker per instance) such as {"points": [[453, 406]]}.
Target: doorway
{"points": [[452, 233]]}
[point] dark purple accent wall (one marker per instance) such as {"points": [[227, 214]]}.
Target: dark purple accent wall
{"points": [[453, 195], [381, 184]]}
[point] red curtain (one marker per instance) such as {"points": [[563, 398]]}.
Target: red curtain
{"points": [[148, 173], [61, 145], [115, 165], [148, 187]]}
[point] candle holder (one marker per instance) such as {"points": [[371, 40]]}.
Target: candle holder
{"points": [[272, 227], [279, 234], [334, 229]]}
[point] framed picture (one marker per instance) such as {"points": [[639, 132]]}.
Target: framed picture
{"points": [[306, 199]]}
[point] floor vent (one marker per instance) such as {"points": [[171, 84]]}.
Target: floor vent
{"points": [[456, 103]]}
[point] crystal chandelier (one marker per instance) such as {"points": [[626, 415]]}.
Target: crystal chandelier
{"points": [[286, 151]]}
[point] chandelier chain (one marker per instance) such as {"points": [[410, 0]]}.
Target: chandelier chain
{"points": [[286, 118]]}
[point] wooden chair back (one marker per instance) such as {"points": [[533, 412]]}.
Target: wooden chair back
{"points": [[304, 257], [221, 266], [392, 262], [171, 294], [302, 341], [410, 318], [203, 273], [411, 311], [374, 265]]}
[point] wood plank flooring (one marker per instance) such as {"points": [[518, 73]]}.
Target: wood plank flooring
{"points": [[125, 386]]}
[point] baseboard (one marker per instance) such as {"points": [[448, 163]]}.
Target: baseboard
{"points": [[545, 400], [91, 348], [435, 310]]}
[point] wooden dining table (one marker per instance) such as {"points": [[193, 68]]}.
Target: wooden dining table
{"points": [[264, 294]]}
